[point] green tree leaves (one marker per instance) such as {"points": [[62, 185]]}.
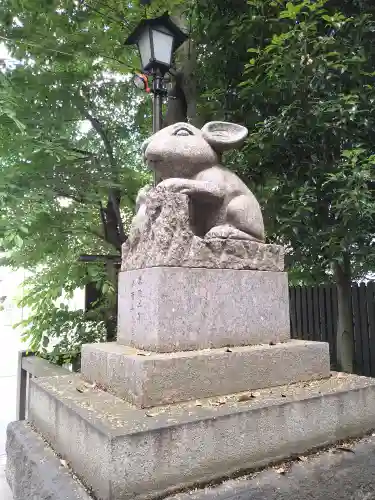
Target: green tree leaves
{"points": [[69, 156], [315, 132]]}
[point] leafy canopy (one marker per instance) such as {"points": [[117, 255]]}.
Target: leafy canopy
{"points": [[300, 75], [70, 129]]}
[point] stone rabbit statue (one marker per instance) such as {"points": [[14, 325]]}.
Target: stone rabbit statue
{"points": [[188, 161]]}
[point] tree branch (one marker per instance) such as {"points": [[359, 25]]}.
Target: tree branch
{"points": [[97, 126], [98, 235], [85, 154], [121, 19], [102, 217], [109, 150]]}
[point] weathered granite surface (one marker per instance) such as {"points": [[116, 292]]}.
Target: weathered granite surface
{"points": [[309, 477], [342, 472], [162, 236], [167, 309], [189, 161], [34, 472], [148, 379], [123, 453]]}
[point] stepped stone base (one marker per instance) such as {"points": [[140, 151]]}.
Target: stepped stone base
{"points": [[127, 453], [168, 309], [331, 474], [149, 379], [35, 472]]}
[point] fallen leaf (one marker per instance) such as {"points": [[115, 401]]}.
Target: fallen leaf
{"points": [[80, 389], [245, 397], [343, 448], [143, 354], [100, 387], [272, 342], [283, 395], [281, 470], [221, 401], [228, 350], [149, 414], [64, 463], [302, 459], [198, 403]]}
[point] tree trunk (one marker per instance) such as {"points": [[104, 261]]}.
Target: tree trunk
{"points": [[182, 98], [344, 337], [189, 83], [111, 316], [176, 105]]}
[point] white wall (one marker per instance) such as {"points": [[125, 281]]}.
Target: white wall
{"points": [[11, 289]]}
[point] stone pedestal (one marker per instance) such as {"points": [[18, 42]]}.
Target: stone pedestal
{"points": [[35, 472], [166, 309], [191, 333], [150, 379], [203, 381], [122, 452]]}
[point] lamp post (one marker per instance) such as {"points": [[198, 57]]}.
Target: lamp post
{"points": [[157, 39]]}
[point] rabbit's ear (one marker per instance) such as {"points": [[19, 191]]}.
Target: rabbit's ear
{"points": [[223, 136]]}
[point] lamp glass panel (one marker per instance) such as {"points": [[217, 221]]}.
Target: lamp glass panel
{"points": [[144, 46], [163, 46]]}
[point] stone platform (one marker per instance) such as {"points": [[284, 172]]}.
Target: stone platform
{"points": [[311, 476], [341, 472], [169, 309], [34, 472], [128, 453], [148, 379]]}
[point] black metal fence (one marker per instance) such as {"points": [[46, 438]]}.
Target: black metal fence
{"points": [[313, 316]]}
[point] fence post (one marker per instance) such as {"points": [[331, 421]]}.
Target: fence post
{"points": [[21, 388]]}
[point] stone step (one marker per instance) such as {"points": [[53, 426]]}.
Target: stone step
{"points": [[168, 309], [342, 472], [126, 453], [34, 472], [148, 379], [310, 477]]}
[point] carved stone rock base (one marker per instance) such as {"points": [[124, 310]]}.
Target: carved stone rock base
{"points": [[161, 236]]}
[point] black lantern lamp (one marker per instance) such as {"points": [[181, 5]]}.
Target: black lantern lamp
{"points": [[157, 39]]}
